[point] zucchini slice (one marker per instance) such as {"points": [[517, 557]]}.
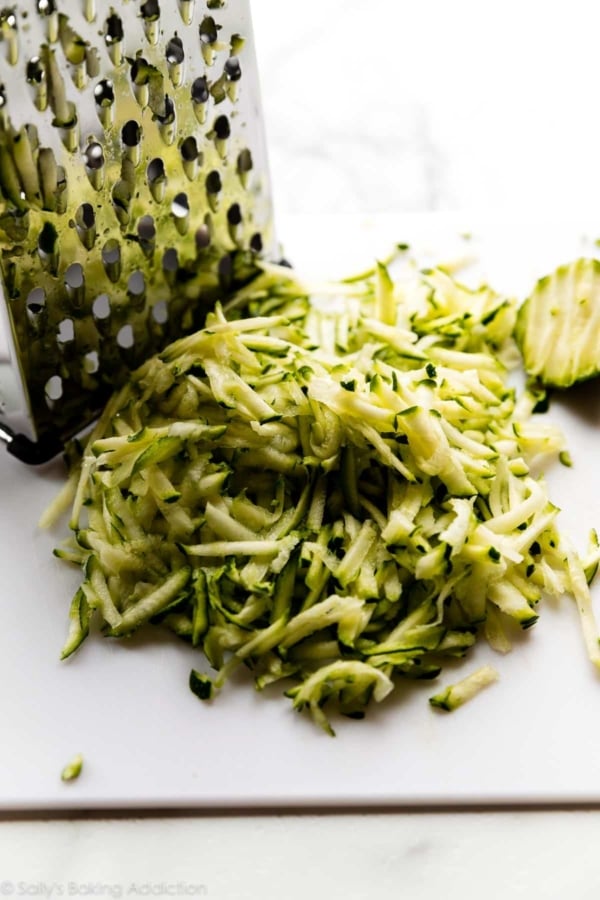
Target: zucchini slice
{"points": [[558, 326]]}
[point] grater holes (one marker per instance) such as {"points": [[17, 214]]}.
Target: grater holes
{"points": [[93, 155], [203, 236], [150, 9], [85, 224], [136, 290], [131, 133], [101, 307], [234, 222], [93, 158], [170, 265], [166, 120], [46, 7], [150, 12], [180, 210], [200, 90], [189, 150], [160, 312], [213, 182], [156, 169], [209, 35], [221, 133], [35, 71], [36, 302], [256, 243], [139, 71], [101, 160], [35, 75], [214, 186], [244, 166], [113, 29], [233, 69], [91, 362], [48, 250], [121, 201], [146, 231], [180, 206], [75, 284], [125, 337], [175, 57], [146, 84], [104, 95], [66, 332], [200, 94], [191, 157], [146, 228], [104, 92], [222, 129], [167, 117], [85, 216], [227, 84], [48, 238], [157, 178], [136, 284], [209, 30], [53, 389], [174, 53], [113, 37], [131, 138], [244, 161], [234, 214], [111, 259]]}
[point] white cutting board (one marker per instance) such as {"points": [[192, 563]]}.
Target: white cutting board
{"points": [[148, 742]]}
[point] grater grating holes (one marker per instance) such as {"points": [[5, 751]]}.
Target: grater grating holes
{"points": [[126, 211]]}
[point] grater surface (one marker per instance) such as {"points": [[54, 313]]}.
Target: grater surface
{"points": [[135, 189]]}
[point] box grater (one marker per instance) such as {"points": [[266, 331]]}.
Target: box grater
{"points": [[135, 191]]}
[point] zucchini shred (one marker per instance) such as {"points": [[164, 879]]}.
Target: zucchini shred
{"points": [[334, 487]]}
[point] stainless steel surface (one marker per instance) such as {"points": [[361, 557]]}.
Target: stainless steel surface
{"points": [[135, 182]]}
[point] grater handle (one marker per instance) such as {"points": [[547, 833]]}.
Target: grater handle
{"points": [[30, 452]]}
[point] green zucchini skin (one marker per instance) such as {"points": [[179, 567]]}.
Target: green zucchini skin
{"points": [[558, 325]]}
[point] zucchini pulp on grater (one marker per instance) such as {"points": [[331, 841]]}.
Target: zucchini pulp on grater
{"points": [[134, 187]]}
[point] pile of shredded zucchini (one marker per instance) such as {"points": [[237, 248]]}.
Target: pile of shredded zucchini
{"points": [[333, 488]]}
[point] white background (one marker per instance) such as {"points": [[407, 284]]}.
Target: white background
{"points": [[388, 105]]}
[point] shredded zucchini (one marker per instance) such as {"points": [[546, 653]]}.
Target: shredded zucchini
{"points": [[464, 690], [73, 769], [333, 491]]}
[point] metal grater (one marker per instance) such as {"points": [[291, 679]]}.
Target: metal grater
{"points": [[135, 191]]}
